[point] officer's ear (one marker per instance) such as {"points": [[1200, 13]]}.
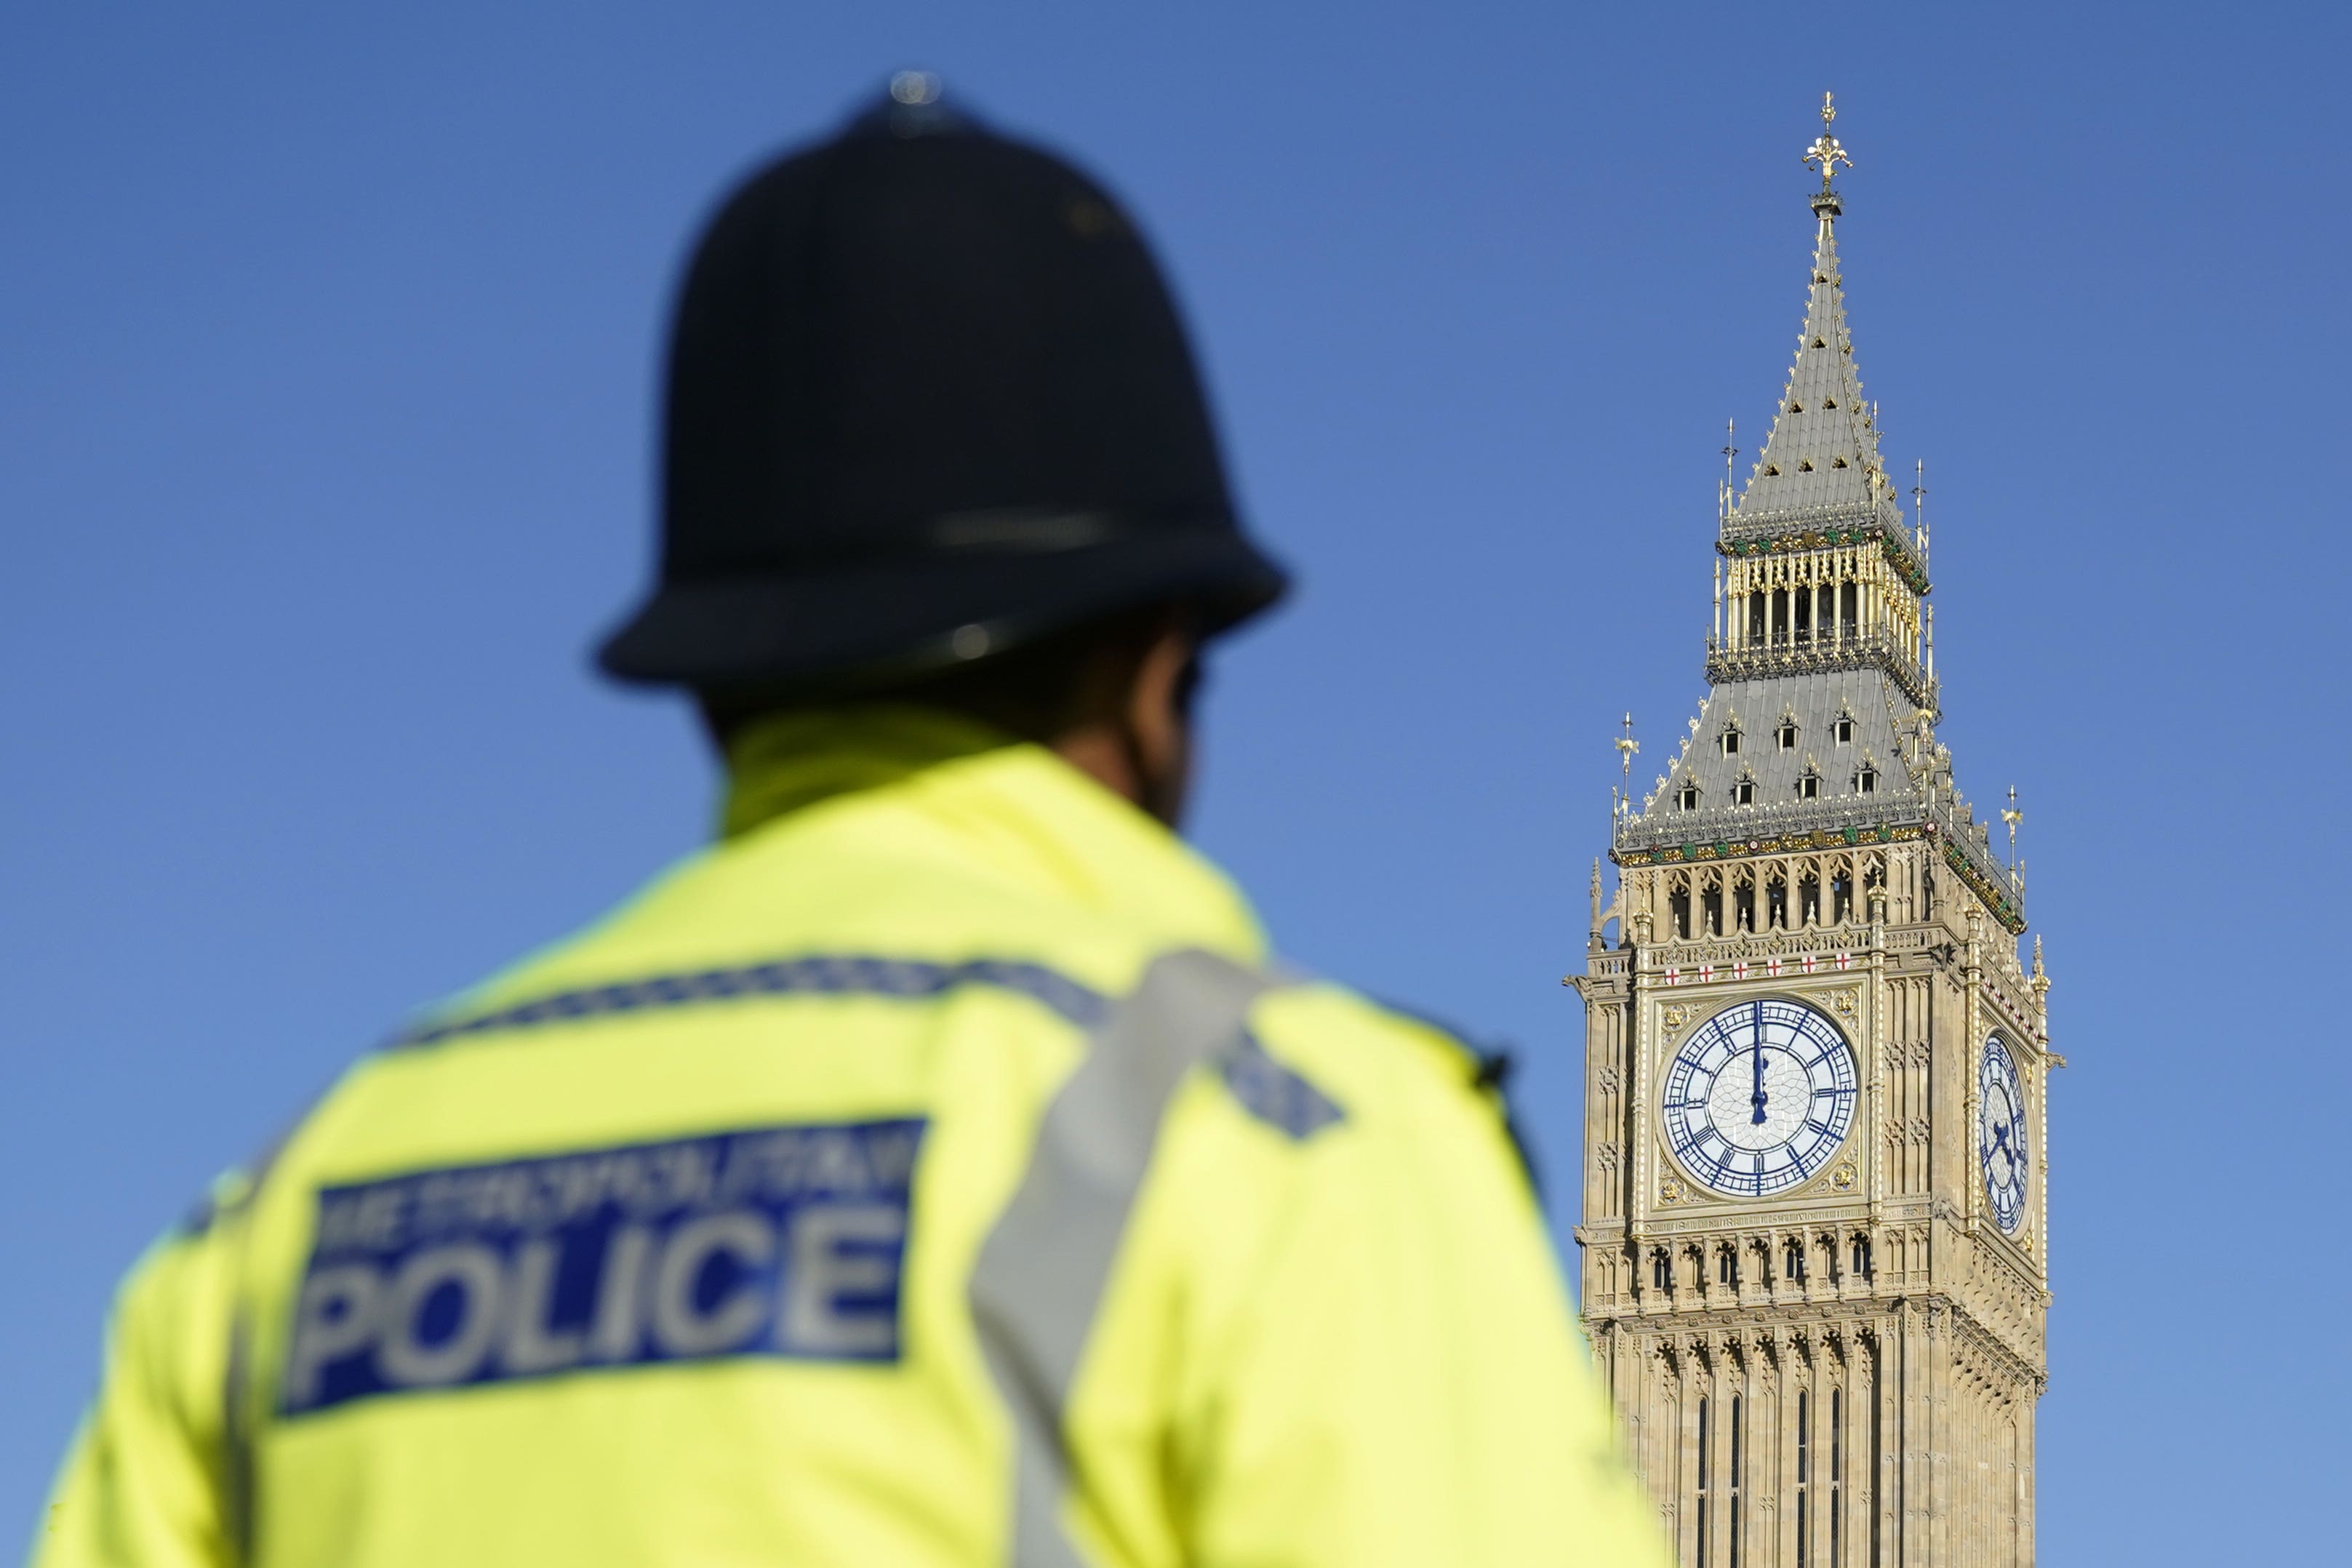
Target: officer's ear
{"points": [[1156, 724]]}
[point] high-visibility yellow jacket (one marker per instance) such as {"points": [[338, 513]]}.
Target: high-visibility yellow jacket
{"points": [[930, 1172]]}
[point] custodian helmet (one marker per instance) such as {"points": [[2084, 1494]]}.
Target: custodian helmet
{"points": [[928, 397]]}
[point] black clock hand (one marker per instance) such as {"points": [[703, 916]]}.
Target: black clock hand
{"points": [[1757, 1099]]}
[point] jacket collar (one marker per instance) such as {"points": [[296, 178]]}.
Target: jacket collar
{"points": [[926, 782]]}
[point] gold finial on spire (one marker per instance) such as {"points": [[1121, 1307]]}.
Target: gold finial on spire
{"points": [[1626, 747], [1919, 508], [1826, 150], [2010, 815], [1730, 450]]}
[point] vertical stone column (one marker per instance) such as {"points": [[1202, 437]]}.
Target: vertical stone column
{"points": [[1642, 1403], [1640, 967], [1743, 1350], [1874, 1025], [1941, 1434], [1875, 1505], [1709, 1352], [1782, 1496], [1972, 1034], [1910, 1440], [2038, 1171], [2027, 1502], [1670, 1476], [1790, 1383], [1968, 1542]]}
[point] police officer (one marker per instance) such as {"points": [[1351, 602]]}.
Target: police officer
{"points": [[934, 1171]]}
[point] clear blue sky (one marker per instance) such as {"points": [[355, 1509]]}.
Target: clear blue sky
{"points": [[326, 369]]}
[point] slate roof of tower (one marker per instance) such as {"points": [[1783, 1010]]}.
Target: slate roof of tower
{"points": [[1823, 450], [1820, 469], [1821, 464], [1757, 708]]}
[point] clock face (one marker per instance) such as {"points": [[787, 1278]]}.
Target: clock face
{"points": [[2000, 1134], [1758, 1098]]}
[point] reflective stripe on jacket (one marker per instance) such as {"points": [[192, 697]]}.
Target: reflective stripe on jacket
{"points": [[930, 1172]]}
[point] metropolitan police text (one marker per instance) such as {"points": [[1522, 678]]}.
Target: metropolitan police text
{"points": [[777, 1241]]}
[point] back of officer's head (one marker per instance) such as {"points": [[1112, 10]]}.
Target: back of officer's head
{"points": [[932, 429]]}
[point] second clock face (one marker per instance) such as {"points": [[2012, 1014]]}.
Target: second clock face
{"points": [[1758, 1098], [2001, 1135]]}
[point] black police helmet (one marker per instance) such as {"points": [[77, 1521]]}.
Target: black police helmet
{"points": [[929, 399]]}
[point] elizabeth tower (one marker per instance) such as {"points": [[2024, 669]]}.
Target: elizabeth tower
{"points": [[1814, 1227]]}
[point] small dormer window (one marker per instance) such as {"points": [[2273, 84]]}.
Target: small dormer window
{"points": [[1866, 781], [1819, 344], [1744, 793], [1806, 466], [1796, 407], [1837, 462], [1787, 734], [1843, 730], [1689, 797], [1771, 470], [1730, 742], [1829, 403], [1808, 785]]}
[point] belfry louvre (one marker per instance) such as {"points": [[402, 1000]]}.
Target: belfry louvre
{"points": [[1814, 1238]]}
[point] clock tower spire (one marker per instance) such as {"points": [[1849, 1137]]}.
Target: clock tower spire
{"points": [[1814, 1213]]}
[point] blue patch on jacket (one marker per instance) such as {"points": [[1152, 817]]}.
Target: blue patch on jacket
{"points": [[1275, 1094], [775, 1241]]}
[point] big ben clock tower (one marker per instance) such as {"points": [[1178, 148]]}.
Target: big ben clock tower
{"points": [[1814, 1227]]}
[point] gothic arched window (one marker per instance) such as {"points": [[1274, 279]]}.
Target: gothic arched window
{"points": [[1837, 1474], [1804, 1476]]}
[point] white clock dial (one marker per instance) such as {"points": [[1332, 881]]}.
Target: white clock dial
{"points": [[1758, 1098], [2001, 1135]]}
